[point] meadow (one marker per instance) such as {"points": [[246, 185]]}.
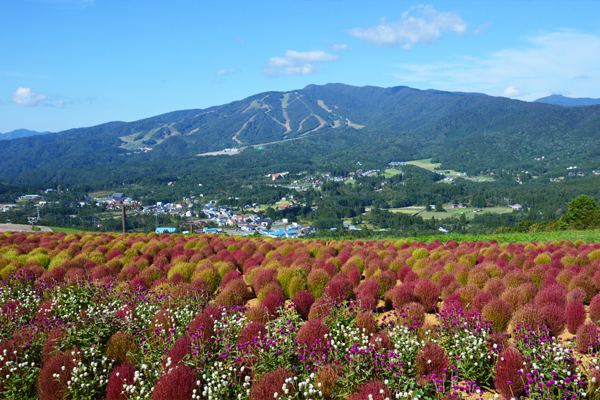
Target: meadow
{"points": [[168, 317]]}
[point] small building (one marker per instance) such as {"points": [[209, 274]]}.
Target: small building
{"points": [[516, 207], [118, 197], [166, 230]]}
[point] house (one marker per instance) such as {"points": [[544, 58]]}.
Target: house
{"points": [[516, 207], [444, 230], [166, 230], [213, 230], [118, 197]]}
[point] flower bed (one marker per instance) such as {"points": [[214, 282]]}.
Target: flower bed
{"points": [[108, 316]]}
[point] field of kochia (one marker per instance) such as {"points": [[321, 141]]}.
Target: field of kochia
{"points": [[169, 317]]}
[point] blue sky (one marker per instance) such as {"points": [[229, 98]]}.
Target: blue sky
{"points": [[67, 64]]}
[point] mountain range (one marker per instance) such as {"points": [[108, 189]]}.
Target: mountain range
{"points": [[459, 129], [20, 133], [560, 100]]}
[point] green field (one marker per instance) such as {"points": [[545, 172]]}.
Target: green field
{"points": [[450, 212], [428, 165], [388, 173]]}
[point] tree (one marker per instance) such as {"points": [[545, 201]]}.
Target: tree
{"points": [[439, 207], [583, 213]]}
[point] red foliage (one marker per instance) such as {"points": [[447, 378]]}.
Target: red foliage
{"points": [[508, 380], [311, 335], [453, 301], [263, 278], [251, 332], [587, 338], [177, 384], [554, 318], [372, 390], [498, 312], [50, 387], [427, 293], [340, 289], [553, 294], [270, 383], [303, 301], [181, 348], [431, 360], [273, 301], [120, 376], [230, 276], [575, 316], [594, 309]]}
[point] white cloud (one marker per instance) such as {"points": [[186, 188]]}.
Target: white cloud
{"points": [[230, 71], [547, 62], [297, 63], [340, 47], [480, 30], [427, 27], [511, 91], [25, 97]]}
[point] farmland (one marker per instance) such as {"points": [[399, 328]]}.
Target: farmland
{"points": [[116, 316]]}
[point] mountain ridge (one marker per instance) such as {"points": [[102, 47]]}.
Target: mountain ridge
{"points": [[560, 100]]}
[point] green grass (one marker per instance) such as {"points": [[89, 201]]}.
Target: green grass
{"points": [[66, 230], [388, 173], [429, 166], [450, 212]]}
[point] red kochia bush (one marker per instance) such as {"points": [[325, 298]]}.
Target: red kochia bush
{"points": [[251, 332], [371, 390], [552, 294], [366, 323], [508, 382], [120, 376], [594, 309], [587, 337], [431, 359], [270, 383], [181, 348], [50, 387], [272, 302], [575, 316], [340, 289], [311, 336], [369, 292], [177, 384], [555, 318], [303, 300], [427, 293]]}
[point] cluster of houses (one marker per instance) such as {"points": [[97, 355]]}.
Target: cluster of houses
{"points": [[225, 218]]}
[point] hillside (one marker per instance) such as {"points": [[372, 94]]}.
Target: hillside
{"points": [[20, 133], [560, 100], [455, 128]]}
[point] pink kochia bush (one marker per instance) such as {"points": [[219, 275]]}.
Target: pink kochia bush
{"points": [[177, 384], [120, 376], [270, 383], [431, 363], [509, 380], [311, 336], [303, 300], [587, 338], [427, 293], [575, 316], [372, 390], [51, 387]]}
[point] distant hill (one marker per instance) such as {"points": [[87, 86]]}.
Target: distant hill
{"points": [[460, 129], [20, 133], [560, 100]]}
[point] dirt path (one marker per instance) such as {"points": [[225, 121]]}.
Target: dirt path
{"points": [[21, 228]]}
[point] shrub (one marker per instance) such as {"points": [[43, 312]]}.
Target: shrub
{"points": [[495, 287], [120, 376], [251, 332], [202, 327], [53, 342], [594, 309], [257, 314], [575, 316], [553, 294], [453, 301], [181, 348], [372, 390], [577, 294], [270, 383], [325, 380], [119, 344], [528, 316], [401, 295], [426, 293], [386, 280], [586, 284], [54, 375], [263, 278], [587, 338], [515, 278], [412, 315], [177, 384], [303, 300], [230, 276], [366, 323], [272, 302], [269, 288], [235, 293], [468, 293], [316, 282], [554, 318], [481, 300], [508, 381], [340, 289], [431, 359], [498, 312], [311, 335]]}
